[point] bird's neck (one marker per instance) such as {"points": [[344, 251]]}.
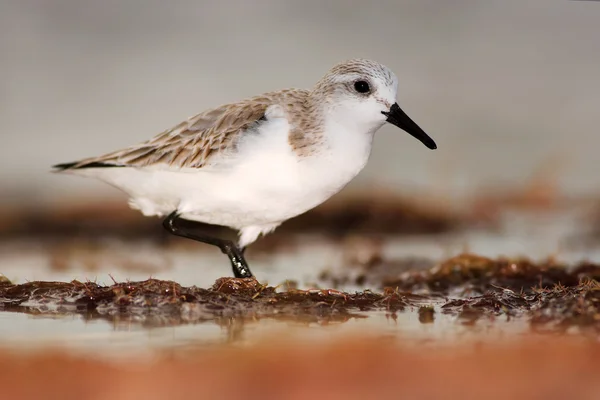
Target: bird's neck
{"points": [[307, 128]]}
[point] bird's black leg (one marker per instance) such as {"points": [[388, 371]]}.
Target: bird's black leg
{"points": [[238, 263]]}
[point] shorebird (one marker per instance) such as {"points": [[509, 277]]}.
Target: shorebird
{"points": [[253, 164]]}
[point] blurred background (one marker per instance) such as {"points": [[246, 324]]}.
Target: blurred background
{"points": [[509, 90], [506, 88]]}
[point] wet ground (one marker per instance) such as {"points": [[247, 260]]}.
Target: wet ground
{"points": [[422, 272], [106, 282]]}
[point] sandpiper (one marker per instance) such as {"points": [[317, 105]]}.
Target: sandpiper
{"points": [[253, 164]]}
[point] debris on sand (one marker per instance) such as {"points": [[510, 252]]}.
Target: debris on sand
{"points": [[474, 274], [553, 295], [556, 309], [228, 297]]}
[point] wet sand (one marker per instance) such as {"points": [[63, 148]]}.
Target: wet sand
{"points": [[366, 298], [351, 368]]}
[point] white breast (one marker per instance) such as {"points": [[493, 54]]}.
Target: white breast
{"points": [[264, 182]]}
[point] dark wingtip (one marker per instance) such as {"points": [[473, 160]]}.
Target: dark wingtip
{"points": [[79, 165], [62, 167]]}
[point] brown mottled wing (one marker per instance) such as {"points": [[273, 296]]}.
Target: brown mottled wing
{"points": [[189, 144]]}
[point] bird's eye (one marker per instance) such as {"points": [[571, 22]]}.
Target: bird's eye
{"points": [[362, 87]]}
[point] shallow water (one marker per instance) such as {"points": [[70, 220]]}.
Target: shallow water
{"points": [[534, 236], [126, 336]]}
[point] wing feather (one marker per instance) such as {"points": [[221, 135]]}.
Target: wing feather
{"points": [[189, 144], [193, 142]]}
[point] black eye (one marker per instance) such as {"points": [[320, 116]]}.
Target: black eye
{"points": [[362, 87]]}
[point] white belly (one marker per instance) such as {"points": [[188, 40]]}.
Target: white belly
{"points": [[264, 183]]}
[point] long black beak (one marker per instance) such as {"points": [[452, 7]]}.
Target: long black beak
{"points": [[397, 117]]}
